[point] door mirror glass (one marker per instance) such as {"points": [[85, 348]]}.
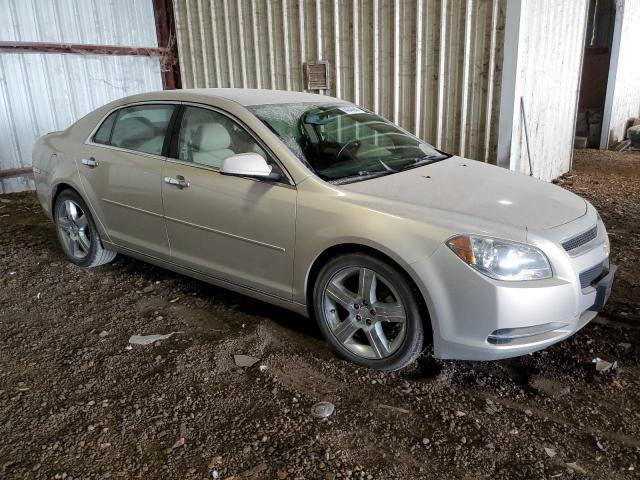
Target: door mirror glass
{"points": [[249, 165]]}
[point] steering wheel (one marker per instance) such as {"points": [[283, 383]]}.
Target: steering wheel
{"points": [[353, 141]]}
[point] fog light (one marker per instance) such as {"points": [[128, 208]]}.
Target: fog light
{"points": [[504, 336]]}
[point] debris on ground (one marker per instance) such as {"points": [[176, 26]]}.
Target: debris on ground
{"points": [[149, 339], [625, 346], [576, 468], [246, 361], [395, 409], [322, 409], [550, 452], [603, 366]]}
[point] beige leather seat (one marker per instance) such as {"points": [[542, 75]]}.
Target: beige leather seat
{"points": [[137, 133], [213, 142]]}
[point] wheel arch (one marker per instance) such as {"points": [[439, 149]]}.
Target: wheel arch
{"points": [[60, 187], [346, 248], [64, 185]]}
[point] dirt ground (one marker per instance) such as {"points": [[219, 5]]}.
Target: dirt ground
{"points": [[77, 402]]}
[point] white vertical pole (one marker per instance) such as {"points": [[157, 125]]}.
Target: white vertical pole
{"points": [[376, 57], [285, 33], [396, 61], [509, 93], [336, 46], [490, 80], [272, 66], [441, 67], [465, 79], [256, 45], [418, 85]]}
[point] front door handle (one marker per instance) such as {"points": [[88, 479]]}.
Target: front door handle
{"points": [[89, 162], [179, 181]]}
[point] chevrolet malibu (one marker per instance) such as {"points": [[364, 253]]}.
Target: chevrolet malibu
{"points": [[327, 209]]}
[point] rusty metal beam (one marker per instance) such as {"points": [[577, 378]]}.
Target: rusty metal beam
{"points": [[16, 172], [80, 48], [166, 33]]}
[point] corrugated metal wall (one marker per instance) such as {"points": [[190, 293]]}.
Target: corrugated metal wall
{"points": [[550, 45], [625, 101], [40, 93], [432, 66]]}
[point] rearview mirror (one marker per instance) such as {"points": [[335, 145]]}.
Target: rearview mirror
{"points": [[249, 165]]}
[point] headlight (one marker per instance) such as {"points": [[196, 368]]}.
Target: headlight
{"points": [[501, 259]]}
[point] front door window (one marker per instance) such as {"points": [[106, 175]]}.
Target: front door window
{"points": [[208, 137]]}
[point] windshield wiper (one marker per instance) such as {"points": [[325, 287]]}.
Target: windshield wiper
{"points": [[361, 175], [420, 161], [387, 167]]}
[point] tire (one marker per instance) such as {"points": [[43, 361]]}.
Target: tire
{"points": [[382, 329], [77, 232]]}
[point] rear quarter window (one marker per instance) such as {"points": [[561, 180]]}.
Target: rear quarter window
{"points": [[103, 135]]}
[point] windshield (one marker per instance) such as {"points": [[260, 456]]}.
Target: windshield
{"points": [[342, 142]]}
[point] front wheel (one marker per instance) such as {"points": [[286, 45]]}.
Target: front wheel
{"points": [[369, 312], [77, 232]]}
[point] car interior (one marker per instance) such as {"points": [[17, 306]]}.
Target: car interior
{"points": [[142, 129]]}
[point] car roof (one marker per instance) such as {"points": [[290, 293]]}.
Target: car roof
{"points": [[254, 96], [246, 96]]}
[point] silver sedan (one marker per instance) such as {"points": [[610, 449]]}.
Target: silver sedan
{"points": [[327, 209]]}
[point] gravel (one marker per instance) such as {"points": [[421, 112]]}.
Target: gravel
{"points": [[76, 401]]}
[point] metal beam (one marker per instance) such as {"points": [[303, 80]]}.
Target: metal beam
{"points": [[16, 172], [80, 48], [166, 33]]}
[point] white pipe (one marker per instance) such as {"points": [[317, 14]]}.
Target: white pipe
{"points": [[418, 84], [490, 80], [465, 79], [256, 45], [272, 53], [336, 41], [243, 59], [285, 32], [376, 58], [396, 61], [301, 31], [441, 79], [216, 47], [227, 34], [356, 52], [192, 58], [319, 32], [203, 50]]}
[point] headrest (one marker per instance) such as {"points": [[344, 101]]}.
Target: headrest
{"points": [[213, 136], [134, 127]]}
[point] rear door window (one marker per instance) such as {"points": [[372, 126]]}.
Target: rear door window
{"points": [[141, 128]]}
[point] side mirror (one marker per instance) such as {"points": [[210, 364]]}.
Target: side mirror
{"points": [[249, 165]]}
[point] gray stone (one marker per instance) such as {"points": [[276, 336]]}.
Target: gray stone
{"points": [[634, 135]]}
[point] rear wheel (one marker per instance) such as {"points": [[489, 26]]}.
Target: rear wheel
{"points": [[369, 312], [77, 232]]}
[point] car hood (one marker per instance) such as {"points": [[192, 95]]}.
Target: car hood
{"points": [[478, 190]]}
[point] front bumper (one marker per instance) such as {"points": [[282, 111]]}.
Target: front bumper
{"points": [[478, 318]]}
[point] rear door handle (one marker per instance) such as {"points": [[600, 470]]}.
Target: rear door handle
{"points": [[89, 162], [179, 181]]}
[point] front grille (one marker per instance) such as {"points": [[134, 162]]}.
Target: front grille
{"points": [[588, 276], [581, 239]]}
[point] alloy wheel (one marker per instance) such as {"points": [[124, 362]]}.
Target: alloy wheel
{"points": [[365, 312], [73, 225]]}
